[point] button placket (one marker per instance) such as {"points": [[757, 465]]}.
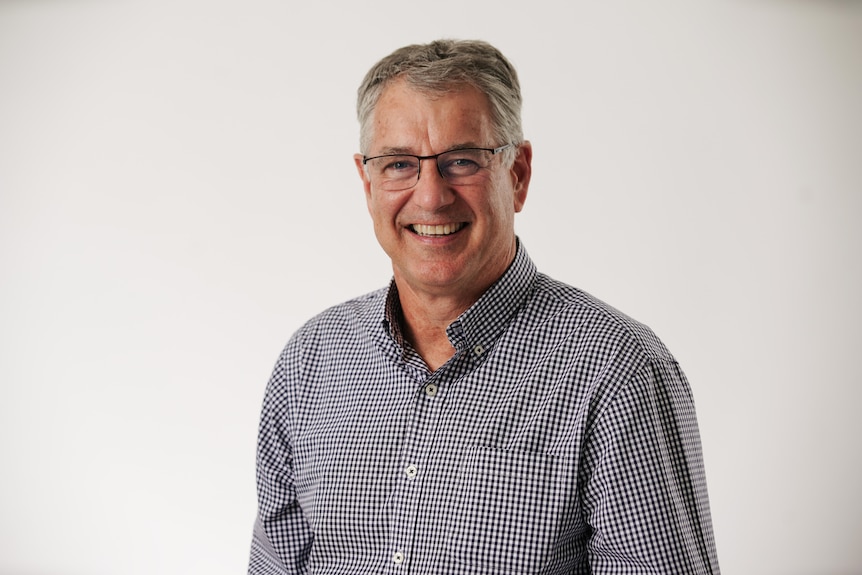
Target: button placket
{"points": [[424, 413]]}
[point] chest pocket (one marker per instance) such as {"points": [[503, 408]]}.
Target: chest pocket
{"points": [[509, 509]]}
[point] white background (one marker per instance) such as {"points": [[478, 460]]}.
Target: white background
{"points": [[177, 194]]}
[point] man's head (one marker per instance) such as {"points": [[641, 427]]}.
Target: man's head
{"points": [[440, 67], [444, 166]]}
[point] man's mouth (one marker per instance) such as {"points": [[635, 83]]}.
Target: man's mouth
{"points": [[436, 230]]}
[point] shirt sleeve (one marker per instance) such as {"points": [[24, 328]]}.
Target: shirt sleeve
{"points": [[645, 495], [282, 538]]}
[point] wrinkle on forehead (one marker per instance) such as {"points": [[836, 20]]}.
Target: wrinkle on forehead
{"points": [[410, 121]]}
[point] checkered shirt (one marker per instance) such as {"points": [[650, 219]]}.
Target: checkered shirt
{"points": [[560, 438]]}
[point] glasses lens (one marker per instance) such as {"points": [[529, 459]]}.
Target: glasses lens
{"points": [[393, 173], [462, 166]]}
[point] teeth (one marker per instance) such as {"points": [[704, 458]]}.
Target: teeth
{"points": [[439, 230]]}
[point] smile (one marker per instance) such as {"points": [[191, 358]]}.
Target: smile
{"points": [[437, 230]]}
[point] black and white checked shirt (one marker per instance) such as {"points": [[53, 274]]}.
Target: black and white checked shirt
{"points": [[560, 438]]}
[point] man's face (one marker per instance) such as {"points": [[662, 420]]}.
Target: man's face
{"points": [[444, 240]]}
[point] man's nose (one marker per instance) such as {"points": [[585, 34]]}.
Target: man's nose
{"points": [[432, 191]]}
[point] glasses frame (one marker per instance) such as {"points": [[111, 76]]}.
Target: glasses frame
{"points": [[494, 152]]}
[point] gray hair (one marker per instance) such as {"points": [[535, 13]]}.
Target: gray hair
{"points": [[441, 67]]}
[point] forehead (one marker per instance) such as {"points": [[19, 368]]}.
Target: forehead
{"points": [[407, 118]]}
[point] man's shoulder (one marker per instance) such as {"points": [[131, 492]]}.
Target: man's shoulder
{"points": [[591, 315]]}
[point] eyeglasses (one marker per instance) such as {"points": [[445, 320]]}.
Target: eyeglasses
{"points": [[397, 172]]}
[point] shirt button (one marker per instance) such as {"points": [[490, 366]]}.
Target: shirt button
{"points": [[410, 471], [478, 350], [398, 558], [430, 390]]}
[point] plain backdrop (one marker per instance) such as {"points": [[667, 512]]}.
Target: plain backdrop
{"points": [[177, 195]]}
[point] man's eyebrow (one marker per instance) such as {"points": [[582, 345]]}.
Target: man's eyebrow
{"points": [[390, 151], [464, 146], [409, 152]]}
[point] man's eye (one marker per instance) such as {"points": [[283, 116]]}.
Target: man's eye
{"points": [[460, 166], [400, 165]]}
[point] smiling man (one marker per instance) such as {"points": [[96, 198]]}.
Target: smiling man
{"points": [[475, 416]]}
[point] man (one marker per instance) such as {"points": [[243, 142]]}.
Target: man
{"points": [[476, 416]]}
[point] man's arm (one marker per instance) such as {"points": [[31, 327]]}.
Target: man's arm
{"points": [[644, 486], [282, 538]]}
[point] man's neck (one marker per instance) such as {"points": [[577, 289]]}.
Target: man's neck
{"points": [[427, 313], [425, 320]]}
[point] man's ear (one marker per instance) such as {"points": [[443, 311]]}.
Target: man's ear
{"points": [[360, 168], [521, 171]]}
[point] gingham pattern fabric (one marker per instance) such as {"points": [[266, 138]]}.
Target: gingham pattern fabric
{"points": [[560, 438]]}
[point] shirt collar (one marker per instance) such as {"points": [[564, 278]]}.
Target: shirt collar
{"points": [[478, 328]]}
